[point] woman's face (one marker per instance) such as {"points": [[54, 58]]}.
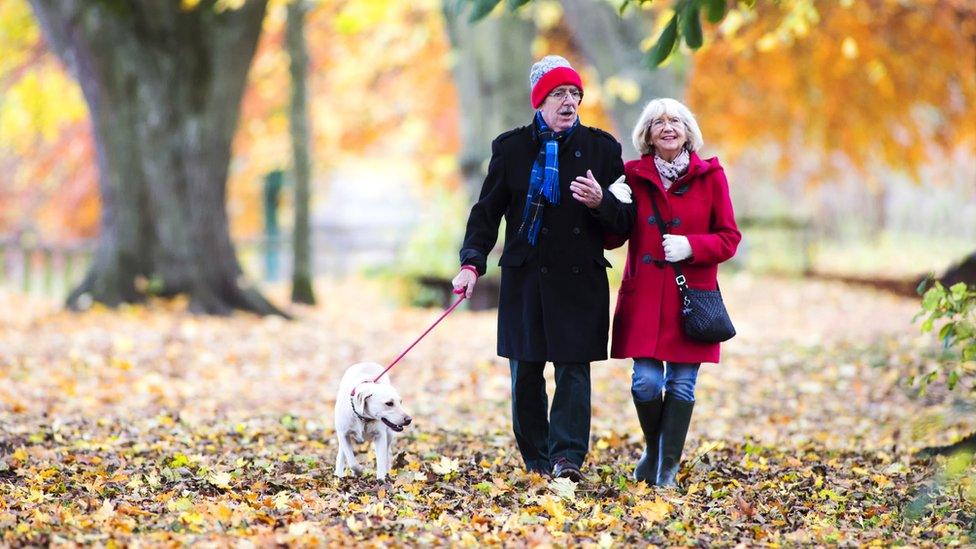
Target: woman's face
{"points": [[668, 135]]}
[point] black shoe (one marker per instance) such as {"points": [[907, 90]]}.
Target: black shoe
{"points": [[567, 469], [544, 472], [675, 419], [649, 415]]}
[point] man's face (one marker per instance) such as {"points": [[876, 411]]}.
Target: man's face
{"points": [[561, 107]]}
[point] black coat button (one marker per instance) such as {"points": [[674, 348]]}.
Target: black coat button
{"points": [[545, 230], [576, 230], [576, 270], [652, 220], [578, 154], [544, 270], [676, 222], [646, 258]]}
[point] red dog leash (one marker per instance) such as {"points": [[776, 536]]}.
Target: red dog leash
{"points": [[459, 291]]}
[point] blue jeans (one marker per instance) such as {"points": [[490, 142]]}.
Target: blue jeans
{"points": [[650, 379]]}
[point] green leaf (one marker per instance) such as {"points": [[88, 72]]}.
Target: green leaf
{"points": [[958, 290], [923, 284], [481, 9], [953, 379], [947, 330], [665, 43], [969, 353], [515, 4], [179, 460], [932, 297], [691, 26], [716, 12], [927, 325], [288, 422]]}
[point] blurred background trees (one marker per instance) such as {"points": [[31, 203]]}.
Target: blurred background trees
{"points": [[212, 148], [846, 128], [301, 276], [163, 84]]}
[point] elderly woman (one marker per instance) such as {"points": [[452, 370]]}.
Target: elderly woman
{"points": [[692, 196]]}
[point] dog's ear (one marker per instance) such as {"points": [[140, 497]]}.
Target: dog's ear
{"points": [[362, 395]]}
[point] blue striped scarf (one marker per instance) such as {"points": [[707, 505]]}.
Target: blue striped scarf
{"points": [[544, 178]]}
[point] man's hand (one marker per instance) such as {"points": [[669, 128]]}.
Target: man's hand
{"points": [[465, 280], [587, 190], [676, 247]]}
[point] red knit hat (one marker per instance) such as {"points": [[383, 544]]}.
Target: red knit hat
{"points": [[548, 74]]}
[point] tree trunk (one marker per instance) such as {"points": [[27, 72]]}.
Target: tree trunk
{"points": [[966, 444], [964, 271], [163, 87], [491, 70], [611, 44], [301, 282]]}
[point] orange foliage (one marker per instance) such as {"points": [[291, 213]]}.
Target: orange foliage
{"points": [[48, 182], [557, 39], [380, 85], [882, 82]]}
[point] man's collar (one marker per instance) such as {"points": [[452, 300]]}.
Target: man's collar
{"points": [[535, 128]]}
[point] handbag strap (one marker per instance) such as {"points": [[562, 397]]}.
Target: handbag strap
{"points": [[679, 277]]}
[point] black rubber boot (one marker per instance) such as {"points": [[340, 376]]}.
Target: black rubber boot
{"points": [[649, 415], [674, 427]]}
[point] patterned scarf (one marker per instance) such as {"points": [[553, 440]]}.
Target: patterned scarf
{"points": [[671, 171], [544, 178]]}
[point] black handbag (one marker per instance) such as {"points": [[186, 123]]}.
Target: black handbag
{"points": [[703, 314]]}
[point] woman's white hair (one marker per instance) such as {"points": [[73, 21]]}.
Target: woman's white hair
{"points": [[657, 108]]}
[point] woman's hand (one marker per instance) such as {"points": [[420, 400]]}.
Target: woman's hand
{"points": [[676, 248], [621, 190], [587, 190], [465, 280]]}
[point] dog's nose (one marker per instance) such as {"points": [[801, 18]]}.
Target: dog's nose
{"points": [[408, 420]]}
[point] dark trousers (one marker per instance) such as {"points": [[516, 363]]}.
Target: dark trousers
{"points": [[544, 436]]}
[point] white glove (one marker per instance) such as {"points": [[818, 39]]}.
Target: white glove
{"points": [[676, 247], [621, 190]]}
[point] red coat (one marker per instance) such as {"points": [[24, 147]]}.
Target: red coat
{"points": [[647, 320]]}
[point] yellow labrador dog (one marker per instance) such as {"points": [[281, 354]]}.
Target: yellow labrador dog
{"points": [[367, 411]]}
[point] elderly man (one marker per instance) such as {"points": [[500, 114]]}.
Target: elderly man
{"points": [[547, 180]]}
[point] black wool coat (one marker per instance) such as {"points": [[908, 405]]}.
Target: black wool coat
{"points": [[554, 299]]}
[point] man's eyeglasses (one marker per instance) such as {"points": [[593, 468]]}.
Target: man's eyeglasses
{"points": [[561, 94]]}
